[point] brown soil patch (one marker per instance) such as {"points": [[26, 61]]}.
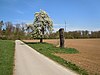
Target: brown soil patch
{"points": [[89, 56]]}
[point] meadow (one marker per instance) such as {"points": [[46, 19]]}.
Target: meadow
{"points": [[7, 49]]}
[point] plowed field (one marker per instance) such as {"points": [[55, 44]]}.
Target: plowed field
{"points": [[89, 56]]}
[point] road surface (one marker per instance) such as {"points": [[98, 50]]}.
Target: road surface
{"points": [[29, 62]]}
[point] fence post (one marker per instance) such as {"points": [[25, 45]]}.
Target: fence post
{"points": [[61, 35]]}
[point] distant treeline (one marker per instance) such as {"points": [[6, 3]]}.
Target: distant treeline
{"points": [[77, 34], [10, 31]]}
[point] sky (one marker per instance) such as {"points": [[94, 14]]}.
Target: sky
{"points": [[78, 14]]}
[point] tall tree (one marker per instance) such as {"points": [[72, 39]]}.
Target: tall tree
{"points": [[1, 24], [42, 23], [9, 27]]}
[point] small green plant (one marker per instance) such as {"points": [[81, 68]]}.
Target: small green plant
{"points": [[49, 50], [6, 57]]}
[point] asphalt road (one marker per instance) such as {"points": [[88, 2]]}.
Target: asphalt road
{"points": [[29, 62]]}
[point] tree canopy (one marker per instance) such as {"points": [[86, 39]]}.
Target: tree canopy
{"points": [[42, 23]]}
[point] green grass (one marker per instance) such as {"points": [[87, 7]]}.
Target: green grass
{"points": [[49, 50], [7, 49]]}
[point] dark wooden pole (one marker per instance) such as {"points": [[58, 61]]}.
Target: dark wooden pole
{"points": [[61, 35]]}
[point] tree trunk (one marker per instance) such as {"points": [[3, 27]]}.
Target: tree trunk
{"points": [[41, 37]]}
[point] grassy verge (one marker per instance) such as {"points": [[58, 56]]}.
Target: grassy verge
{"points": [[6, 57], [49, 50]]}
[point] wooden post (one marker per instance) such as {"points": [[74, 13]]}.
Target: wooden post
{"points": [[61, 35]]}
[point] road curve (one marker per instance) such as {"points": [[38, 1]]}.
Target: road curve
{"points": [[29, 62]]}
